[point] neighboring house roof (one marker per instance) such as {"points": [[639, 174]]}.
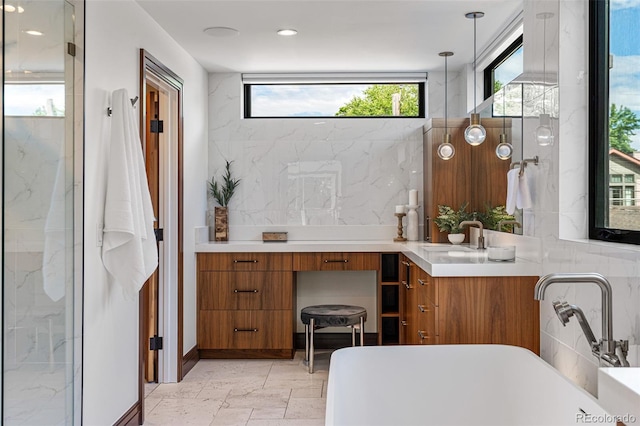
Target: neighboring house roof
{"points": [[620, 157]]}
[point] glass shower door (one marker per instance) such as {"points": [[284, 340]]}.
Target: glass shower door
{"points": [[38, 214]]}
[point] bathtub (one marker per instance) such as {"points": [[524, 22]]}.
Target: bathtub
{"points": [[453, 385]]}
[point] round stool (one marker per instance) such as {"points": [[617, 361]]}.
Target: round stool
{"points": [[320, 316]]}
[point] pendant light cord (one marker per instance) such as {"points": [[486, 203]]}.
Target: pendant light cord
{"points": [[475, 86], [446, 97], [544, 64]]}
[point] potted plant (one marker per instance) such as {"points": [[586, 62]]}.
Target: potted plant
{"points": [[449, 220], [493, 215], [222, 193]]}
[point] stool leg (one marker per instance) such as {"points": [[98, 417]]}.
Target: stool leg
{"points": [[306, 343], [312, 327], [353, 336], [361, 331]]}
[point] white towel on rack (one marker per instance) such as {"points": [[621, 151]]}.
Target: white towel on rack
{"points": [[129, 250], [512, 190], [523, 200]]}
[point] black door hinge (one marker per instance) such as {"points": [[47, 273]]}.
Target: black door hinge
{"points": [[155, 343], [71, 49], [159, 234], [157, 126]]}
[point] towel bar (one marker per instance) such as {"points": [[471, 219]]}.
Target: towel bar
{"points": [[522, 164]]}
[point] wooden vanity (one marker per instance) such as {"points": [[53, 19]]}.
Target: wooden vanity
{"points": [[246, 302]]}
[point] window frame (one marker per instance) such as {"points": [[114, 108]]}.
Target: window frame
{"points": [[599, 180], [489, 69], [246, 95]]}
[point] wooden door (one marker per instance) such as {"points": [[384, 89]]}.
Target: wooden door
{"points": [[150, 290]]}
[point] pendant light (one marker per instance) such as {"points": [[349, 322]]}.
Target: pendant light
{"points": [[544, 131], [475, 134], [446, 151], [504, 150]]}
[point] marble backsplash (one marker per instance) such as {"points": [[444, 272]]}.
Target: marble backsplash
{"points": [[312, 172]]}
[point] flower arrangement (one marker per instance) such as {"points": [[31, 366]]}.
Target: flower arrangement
{"points": [[449, 220], [222, 192]]}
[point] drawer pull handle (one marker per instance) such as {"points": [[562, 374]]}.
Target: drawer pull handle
{"points": [[422, 308], [255, 290], [422, 282], [245, 261], [404, 323], [337, 261], [405, 263], [407, 285], [251, 330], [422, 335]]}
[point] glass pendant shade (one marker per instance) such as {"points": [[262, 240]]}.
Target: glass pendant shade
{"points": [[475, 134], [504, 150], [446, 150], [544, 131]]}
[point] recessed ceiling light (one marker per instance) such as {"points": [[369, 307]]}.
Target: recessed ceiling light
{"points": [[221, 32], [287, 32], [33, 32], [20, 9], [8, 8]]}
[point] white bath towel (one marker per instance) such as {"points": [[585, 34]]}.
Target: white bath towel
{"points": [[523, 201], [56, 259], [129, 249], [512, 190]]}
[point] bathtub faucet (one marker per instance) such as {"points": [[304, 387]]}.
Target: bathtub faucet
{"points": [[611, 351]]}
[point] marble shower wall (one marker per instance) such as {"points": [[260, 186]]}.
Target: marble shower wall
{"points": [[559, 218], [312, 172], [36, 349]]}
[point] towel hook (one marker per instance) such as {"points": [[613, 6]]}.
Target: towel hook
{"points": [[133, 104]]}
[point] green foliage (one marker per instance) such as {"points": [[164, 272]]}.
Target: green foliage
{"points": [[497, 85], [222, 192], [42, 111], [448, 220], [622, 123], [377, 101], [492, 216]]}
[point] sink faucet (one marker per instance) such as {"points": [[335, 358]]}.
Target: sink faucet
{"points": [[508, 222], [479, 225], [613, 352]]}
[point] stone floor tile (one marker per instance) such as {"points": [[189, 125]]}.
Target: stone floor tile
{"points": [[306, 408], [268, 413], [232, 417]]}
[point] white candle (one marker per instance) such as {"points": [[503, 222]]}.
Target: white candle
{"points": [[413, 197], [400, 209]]}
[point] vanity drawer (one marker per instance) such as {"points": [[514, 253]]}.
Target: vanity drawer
{"points": [[245, 290], [246, 329], [244, 261], [332, 261]]}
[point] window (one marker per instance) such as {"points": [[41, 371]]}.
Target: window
{"points": [[34, 99], [507, 66], [614, 121], [326, 96]]}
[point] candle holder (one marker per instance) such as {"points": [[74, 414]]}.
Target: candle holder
{"points": [[400, 238]]}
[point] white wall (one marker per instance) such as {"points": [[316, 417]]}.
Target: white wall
{"points": [[115, 31]]}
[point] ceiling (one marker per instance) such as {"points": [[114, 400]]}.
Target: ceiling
{"points": [[333, 35]]}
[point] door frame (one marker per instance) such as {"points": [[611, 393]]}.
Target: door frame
{"points": [[149, 64]]}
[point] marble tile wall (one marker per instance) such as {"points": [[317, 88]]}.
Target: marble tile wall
{"points": [[36, 332], [559, 218], [310, 172]]}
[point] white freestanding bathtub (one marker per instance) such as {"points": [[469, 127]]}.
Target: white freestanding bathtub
{"points": [[453, 385]]}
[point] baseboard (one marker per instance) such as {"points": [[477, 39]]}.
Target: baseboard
{"points": [[334, 340], [133, 416], [189, 360]]}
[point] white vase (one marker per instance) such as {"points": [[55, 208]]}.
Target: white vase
{"points": [[412, 224], [455, 238]]}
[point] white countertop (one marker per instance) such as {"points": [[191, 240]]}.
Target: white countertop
{"points": [[438, 260]]}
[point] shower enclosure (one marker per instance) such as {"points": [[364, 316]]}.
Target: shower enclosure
{"points": [[41, 212]]}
